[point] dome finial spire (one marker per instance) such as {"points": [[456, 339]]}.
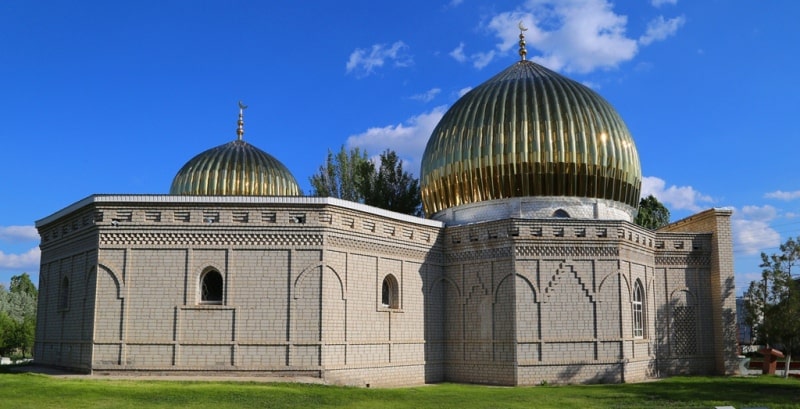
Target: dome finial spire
{"points": [[522, 51], [240, 129]]}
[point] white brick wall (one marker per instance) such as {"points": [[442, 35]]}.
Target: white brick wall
{"points": [[504, 302]]}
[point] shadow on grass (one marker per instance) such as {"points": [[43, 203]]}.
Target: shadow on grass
{"points": [[737, 391]]}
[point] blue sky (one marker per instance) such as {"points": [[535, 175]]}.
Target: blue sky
{"points": [[114, 97]]}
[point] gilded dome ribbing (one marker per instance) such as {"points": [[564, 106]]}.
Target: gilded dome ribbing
{"points": [[529, 131], [235, 169]]}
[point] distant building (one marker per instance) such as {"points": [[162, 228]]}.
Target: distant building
{"points": [[528, 270]]}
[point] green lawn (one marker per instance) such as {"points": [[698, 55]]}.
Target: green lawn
{"points": [[27, 390]]}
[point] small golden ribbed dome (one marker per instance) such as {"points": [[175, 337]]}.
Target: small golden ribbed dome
{"points": [[235, 169], [529, 131]]}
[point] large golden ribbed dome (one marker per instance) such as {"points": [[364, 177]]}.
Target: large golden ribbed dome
{"points": [[235, 169], [529, 132]]}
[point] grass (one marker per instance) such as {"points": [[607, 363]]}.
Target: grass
{"points": [[28, 390]]}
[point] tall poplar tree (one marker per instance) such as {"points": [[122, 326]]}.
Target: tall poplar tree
{"points": [[351, 176], [341, 176]]}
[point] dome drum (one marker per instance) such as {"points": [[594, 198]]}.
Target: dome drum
{"points": [[536, 208]]}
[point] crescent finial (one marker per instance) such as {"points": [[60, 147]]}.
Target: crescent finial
{"points": [[240, 123], [523, 52]]}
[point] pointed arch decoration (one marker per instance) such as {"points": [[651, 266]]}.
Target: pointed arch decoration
{"points": [[616, 274], [115, 278], [531, 285], [447, 280], [682, 322], [299, 281]]}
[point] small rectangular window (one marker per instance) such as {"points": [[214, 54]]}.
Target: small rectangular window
{"points": [[240, 217], [210, 217], [124, 215]]}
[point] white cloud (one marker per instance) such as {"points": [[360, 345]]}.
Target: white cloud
{"points": [[780, 194], [455, 3], [27, 260], [572, 35], [764, 213], [751, 230], [674, 197], [480, 60], [463, 91], [659, 29], [363, 62], [659, 3], [458, 53], [407, 139], [428, 95], [18, 233]]}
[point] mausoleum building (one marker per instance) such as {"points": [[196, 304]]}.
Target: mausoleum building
{"points": [[526, 270]]}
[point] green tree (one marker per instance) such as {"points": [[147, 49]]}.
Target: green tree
{"points": [[772, 304], [390, 187], [652, 213], [22, 335], [341, 176], [351, 176], [18, 315], [23, 284], [7, 329]]}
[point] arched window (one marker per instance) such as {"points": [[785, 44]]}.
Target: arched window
{"points": [[638, 310], [63, 296], [390, 297], [561, 213], [211, 286]]}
